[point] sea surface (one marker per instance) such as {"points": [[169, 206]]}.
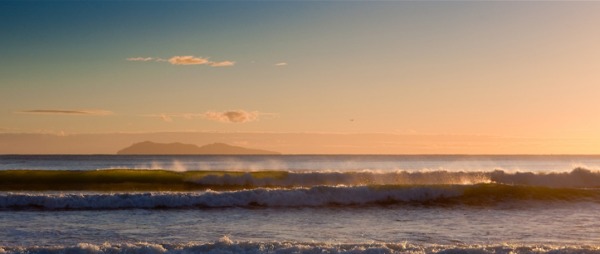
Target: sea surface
{"points": [[300, 204]]}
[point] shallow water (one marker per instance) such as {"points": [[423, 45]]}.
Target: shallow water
{"points": [[522, 223]]}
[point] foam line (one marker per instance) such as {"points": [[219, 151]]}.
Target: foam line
{"points": [[225, 245]]}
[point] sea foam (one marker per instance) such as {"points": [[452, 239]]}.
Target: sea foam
{"points": [[228, 246]]}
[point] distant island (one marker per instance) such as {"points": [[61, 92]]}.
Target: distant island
{"points": [[152, 148]]}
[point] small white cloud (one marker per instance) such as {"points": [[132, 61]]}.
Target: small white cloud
{"points": [[222, 64], [188, 60], [140, 59], [66, 112], [281, 64], [234, 116], [184, 60]]}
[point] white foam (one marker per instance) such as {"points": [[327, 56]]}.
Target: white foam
{"points": [[293, 247]]}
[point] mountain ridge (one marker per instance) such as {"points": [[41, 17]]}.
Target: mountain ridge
{"points": [[176, 148]]}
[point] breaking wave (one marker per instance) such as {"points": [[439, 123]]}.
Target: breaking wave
{"points": [[320, 196], [225, 245], [578, 178], [161, 180]]}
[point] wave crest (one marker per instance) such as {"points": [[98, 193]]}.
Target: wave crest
{"points": [[578, 178], [299, 197], [159, 180], [320, 196], [311, 179]]}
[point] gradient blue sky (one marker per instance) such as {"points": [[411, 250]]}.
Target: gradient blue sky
{"points": [[502, 69]]}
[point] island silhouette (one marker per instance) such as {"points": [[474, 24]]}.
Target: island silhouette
{"points": [[152, 148]]}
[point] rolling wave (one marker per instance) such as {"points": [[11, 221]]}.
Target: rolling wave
{"points": [[320, 196], [161, 180], [578, 178]]}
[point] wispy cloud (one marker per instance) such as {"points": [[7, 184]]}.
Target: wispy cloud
{"points": [[140, 59], [166, 118], [281, 64], [184, 60], [169, 117], [231, 116], [222, 64], [7, 130], [234, 116], [66, 112]]}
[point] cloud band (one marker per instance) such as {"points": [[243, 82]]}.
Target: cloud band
{"points": [[66, 112], [230, 116]]}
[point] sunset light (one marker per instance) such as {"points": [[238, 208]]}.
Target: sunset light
{"points": [[518, 77], [295, 126]]}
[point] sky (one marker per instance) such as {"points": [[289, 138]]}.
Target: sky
{"points": [[495, 77]]}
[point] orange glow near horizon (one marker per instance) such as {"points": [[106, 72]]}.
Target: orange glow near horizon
{"points": [[433, 77]]}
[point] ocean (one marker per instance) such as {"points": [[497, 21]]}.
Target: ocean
{"points": [[300, 204]]}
